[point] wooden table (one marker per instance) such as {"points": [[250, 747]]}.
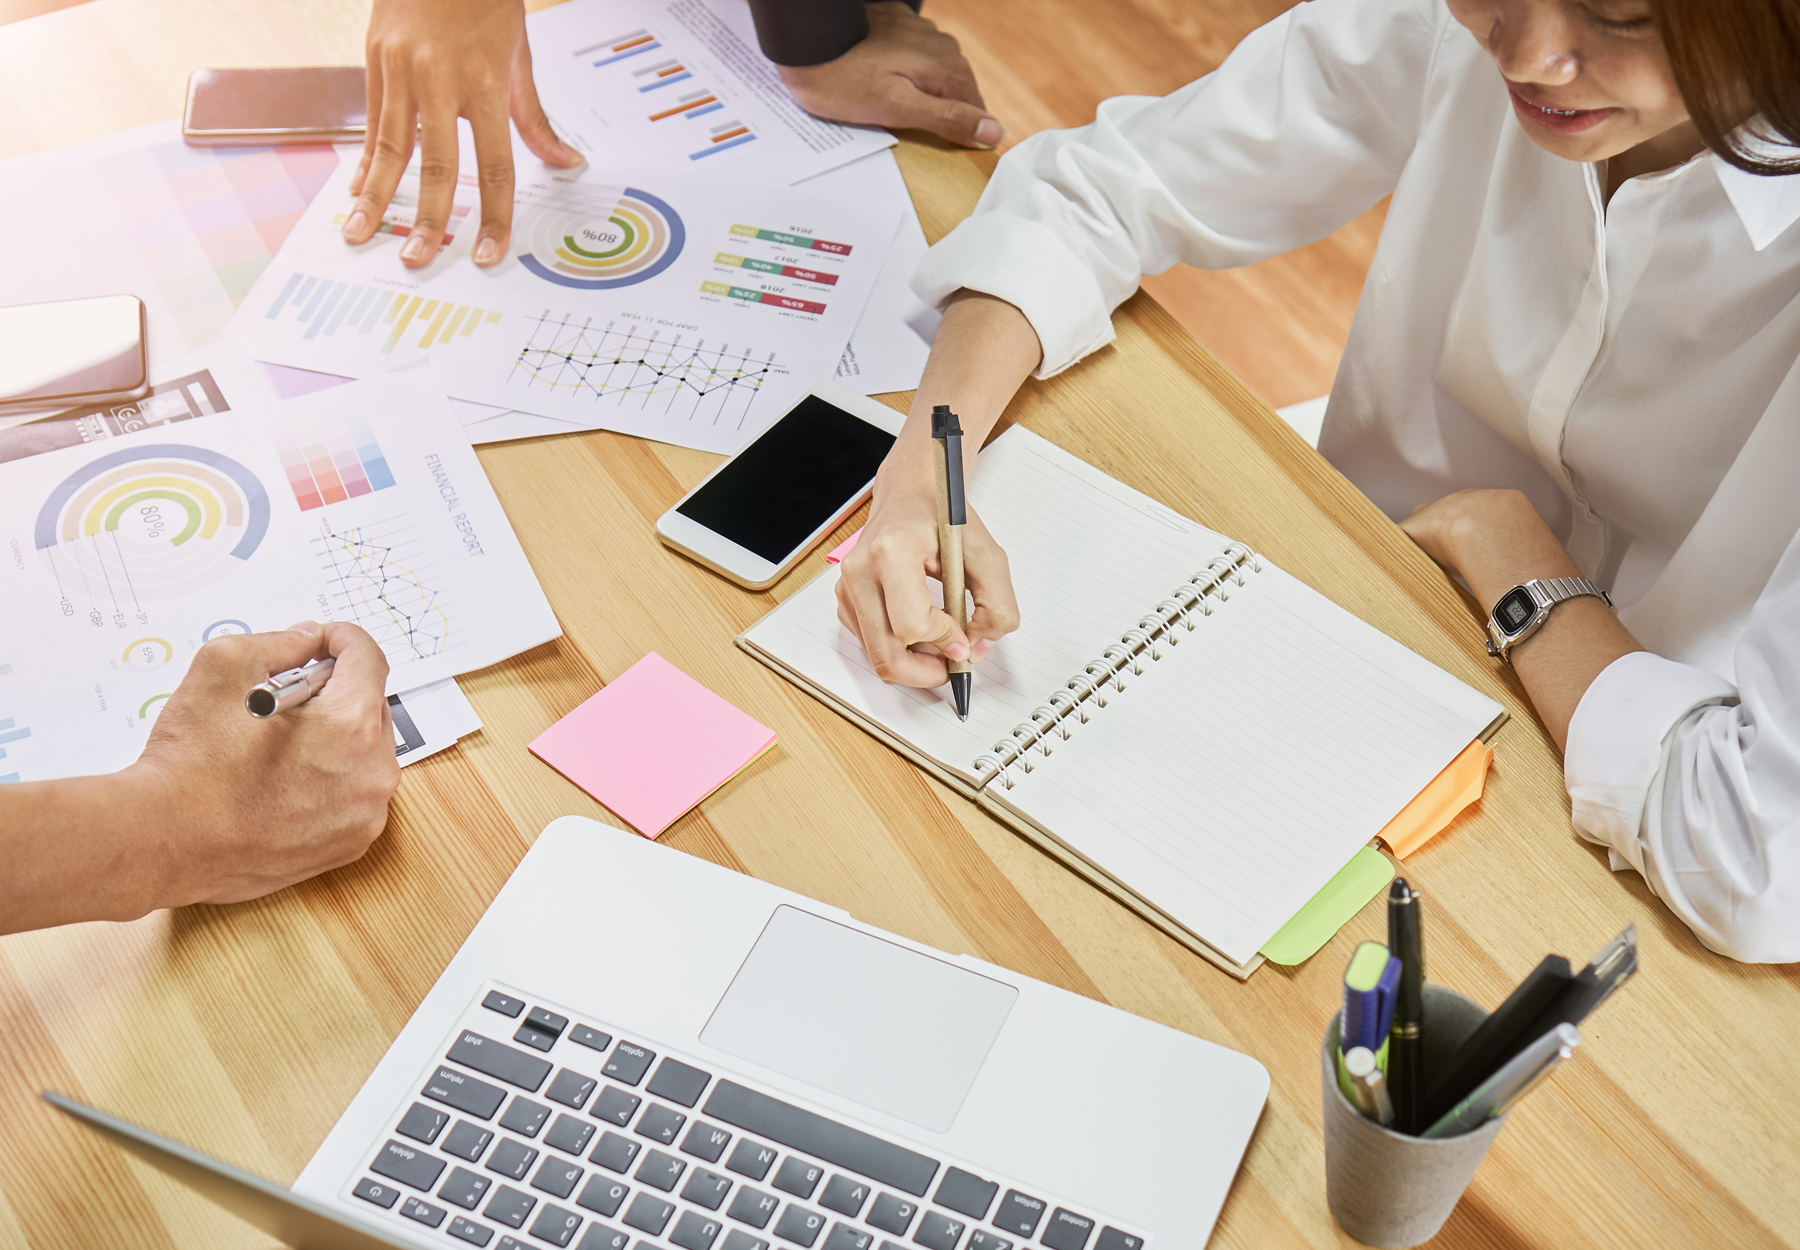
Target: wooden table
{"points": [[245, 1030]]}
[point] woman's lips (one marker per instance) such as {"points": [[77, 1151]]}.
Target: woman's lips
{"points": [[1562, 121]]}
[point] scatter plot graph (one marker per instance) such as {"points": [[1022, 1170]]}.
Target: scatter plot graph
{"points": [[380, 579], [686, 378]]}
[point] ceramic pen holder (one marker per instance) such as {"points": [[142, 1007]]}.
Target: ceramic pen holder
{"points": [[1386, 1188]]}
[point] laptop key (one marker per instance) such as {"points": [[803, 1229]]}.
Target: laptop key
{"points": [[694, 1231], [467, 1141], [600, 1237], [615, 1106], [752, 1159], [738, 1239], [661, 1123], [614, 1152], [592, 1038], [509, 1206], [524, 1117], [557, 1176], [469, 1231], [706, 1189], [678, 1082], [629, 1062], [649, 1214], [837, 1144], [422, 1123], [892, 1213], [753, 1207], [511, 1158], [383, 1196], [1067, 1231], [1112, 1239], [844, 1237], [571, 1089], [407, 1165], [555, 1225], [981, 1239], [1019, 1213], [498, 1060], [938, 1231], [423, 1212], [546, 1021], [464, 1188], [661, 1170], [505, 1004], [705, 1141], [798, 1225], [966, 1193], [569, 1135], [798, 1177], [602, 1195], [465, 1093], [846, 1196]]}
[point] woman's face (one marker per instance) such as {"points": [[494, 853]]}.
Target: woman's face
{"points": [[1589, 78]]}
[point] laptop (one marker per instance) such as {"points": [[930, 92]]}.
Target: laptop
{"points": [[636, 1049]]}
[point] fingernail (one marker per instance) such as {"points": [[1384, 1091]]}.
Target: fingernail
{"points": [[989, 133], [981, 648], [957, 651], [357, 221], [415, 248], [304, 627], [575, 155], [485, 251]]}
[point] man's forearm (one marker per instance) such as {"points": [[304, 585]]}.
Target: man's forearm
{"points": [[77, 849]]}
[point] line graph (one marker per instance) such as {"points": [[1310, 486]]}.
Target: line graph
{"points": [[380, 579], [681, 376]]}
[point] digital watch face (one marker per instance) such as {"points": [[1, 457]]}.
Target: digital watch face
{"points": [[1515, 609], [794, 478]]}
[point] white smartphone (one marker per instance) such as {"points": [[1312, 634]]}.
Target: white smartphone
{"points": [[288, 104], [764, 508], [72, 352]]}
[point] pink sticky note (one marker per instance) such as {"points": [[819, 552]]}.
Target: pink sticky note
{"points": [[652, 744], [836, 554]]}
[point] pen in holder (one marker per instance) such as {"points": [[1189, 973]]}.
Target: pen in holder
{"points": [[1386, 1188]]}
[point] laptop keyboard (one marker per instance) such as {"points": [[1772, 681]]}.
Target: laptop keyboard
{"points": [[537, 1130]]}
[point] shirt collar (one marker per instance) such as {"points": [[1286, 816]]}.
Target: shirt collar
{"points": [[1767, 206]]}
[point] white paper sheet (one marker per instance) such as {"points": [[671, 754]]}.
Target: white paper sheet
{"points": [[429, 719], [363, 503]]}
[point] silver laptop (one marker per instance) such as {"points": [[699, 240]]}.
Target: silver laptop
{"points": [[638, 1050]]}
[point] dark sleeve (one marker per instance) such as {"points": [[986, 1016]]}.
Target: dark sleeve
{"points": [[810, 32]]}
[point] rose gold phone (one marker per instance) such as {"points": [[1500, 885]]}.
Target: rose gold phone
{"points": [[257, 107]]}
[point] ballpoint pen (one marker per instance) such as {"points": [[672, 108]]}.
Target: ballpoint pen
{"points": [[953, 514], [289, 689], [1368, 1086], [1405, 1074], [1496, 1095]]}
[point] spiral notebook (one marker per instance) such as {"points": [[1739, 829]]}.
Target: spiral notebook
{"points": [[1196, 731]]}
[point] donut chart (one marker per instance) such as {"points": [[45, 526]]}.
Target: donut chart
{"points": [[160, 520], [603, 245]]}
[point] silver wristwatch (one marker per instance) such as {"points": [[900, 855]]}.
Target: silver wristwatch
{"points": [[1523, 610]]}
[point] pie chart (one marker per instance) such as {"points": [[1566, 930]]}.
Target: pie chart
{"points": [[599, 241]]}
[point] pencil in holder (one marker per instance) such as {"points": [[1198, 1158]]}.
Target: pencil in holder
{"points": [[1389, 1189]]}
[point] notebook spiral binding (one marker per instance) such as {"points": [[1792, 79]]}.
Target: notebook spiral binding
{"points": [[1055, 719]]}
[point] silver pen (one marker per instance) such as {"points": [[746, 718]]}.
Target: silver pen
{"points": [[289, 689], [1515, 1079], [1368, 1085]]}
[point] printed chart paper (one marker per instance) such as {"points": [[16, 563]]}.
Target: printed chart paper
{"points": [[653, 303], [121, 559]]}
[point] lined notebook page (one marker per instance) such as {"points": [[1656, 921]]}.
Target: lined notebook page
{"points": [[1089, 557], [1236, 774]]}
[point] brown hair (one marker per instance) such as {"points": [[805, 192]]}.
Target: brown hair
{"points": [[1738, 61]]}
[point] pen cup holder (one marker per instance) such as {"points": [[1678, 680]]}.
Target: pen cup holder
{"points": [[1386, 1188]]}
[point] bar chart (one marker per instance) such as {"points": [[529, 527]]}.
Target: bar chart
{"points": [[321, 307], [330, 465]]}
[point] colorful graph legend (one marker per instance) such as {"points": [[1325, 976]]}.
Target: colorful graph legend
{"points": [[777, 268], [761, 297], [792, 240], [329, 465], [326, 307]]}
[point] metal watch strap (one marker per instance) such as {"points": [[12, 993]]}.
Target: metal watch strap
{"points": [[1562, 589], [1546, 593]]}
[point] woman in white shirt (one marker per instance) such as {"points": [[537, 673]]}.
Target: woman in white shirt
{"points": [[1575, 356]]}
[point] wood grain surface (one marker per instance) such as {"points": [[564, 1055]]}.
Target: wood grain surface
{"points": [[245, 1030]]}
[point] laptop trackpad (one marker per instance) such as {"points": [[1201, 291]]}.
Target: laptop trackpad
{"points": [[861, 1017]]}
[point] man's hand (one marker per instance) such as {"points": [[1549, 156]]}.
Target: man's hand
{"points": [[430, 62], [906, 75], [256, 805]]}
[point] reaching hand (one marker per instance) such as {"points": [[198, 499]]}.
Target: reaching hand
{"points": [[430, 62], [906, 75]]}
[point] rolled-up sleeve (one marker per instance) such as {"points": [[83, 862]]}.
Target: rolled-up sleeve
{"points": [[1694, 781], [1308, 122]]}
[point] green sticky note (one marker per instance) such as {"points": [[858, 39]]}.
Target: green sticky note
{"points": [[1330, 909]]}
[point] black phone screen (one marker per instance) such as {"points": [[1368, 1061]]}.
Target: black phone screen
{"points": [[797, 475]]}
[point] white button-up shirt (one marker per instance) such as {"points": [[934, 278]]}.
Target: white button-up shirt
{"points": [[1630, 366]]}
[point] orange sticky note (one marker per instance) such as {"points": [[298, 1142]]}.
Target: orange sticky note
{"points": [[1442, 801], [652, 744]]}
